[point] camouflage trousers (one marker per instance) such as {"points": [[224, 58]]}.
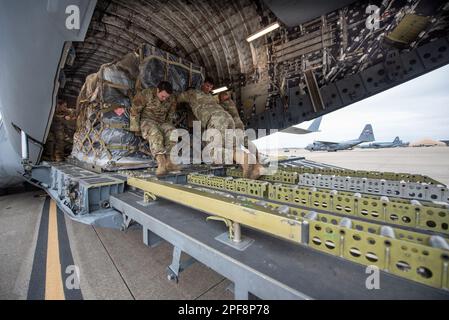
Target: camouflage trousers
{"points": [[221, 121], [215, 118], [157, 135]]}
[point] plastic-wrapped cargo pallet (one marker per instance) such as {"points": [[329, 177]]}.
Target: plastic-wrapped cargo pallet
{"points": [[157, 65], [102, 137]]}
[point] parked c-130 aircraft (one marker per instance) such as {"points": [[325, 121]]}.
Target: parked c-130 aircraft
{"points": [[367, 135], [378, 145]]}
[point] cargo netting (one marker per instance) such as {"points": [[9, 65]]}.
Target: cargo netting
{"points": [[102, 136]]}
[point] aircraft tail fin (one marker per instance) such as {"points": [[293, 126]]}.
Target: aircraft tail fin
{"points": [[396, 140], [315, 125], [367, 134]]}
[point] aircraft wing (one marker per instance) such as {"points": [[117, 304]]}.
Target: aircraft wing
{"points": [[314, 127], [327, 143], [295, 130]]}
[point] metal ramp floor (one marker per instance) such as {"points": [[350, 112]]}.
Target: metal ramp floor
{"points": [[269, 268]]}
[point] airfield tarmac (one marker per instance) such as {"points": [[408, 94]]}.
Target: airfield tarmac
{"points": [[430, 161], [117, 265]]}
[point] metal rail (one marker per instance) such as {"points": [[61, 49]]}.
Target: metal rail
{"points": [[421, 262], [188, 231], [408, 213], [377, 186], [407, 177], [270, 268], [250, 215], [424, 260]]}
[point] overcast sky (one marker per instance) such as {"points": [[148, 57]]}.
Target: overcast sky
{"points": [[416, 109]]}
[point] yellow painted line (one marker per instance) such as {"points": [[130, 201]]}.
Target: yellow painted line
{"points": [[53, 278]]}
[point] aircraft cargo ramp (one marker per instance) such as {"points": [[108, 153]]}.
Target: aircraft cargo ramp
{"points": [[280, 237]]}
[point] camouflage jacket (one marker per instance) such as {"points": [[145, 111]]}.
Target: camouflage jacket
{"points": [[203, 105], [147, 105], [231, 108]]}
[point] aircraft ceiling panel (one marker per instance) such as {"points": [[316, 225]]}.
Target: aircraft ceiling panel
{"points": [[355, 57], [299, 106], [376, 78], [332, 38], [351, 89], [252, 123], [211, 34], [434, 54], [331, 96], [276, 116], [412, 64], [295, 12], [263, 120]]}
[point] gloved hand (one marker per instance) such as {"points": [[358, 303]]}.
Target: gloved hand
{"points": [[134, 120]]}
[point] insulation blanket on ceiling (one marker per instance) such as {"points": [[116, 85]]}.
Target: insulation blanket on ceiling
{"points": [[102, 137]]}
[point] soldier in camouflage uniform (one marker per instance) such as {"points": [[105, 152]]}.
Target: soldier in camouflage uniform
{"points": [[229, 106], [212, 115], [152, 113], [255, 169], [206, 109]]}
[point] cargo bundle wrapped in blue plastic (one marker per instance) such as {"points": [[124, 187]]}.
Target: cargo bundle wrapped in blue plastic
{"points": [[103, 137]]}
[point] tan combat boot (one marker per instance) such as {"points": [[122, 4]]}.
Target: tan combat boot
{"points": [[256, 171], [170, 165], [161, 165], [251, 167], [246, 167], [241, 158]]}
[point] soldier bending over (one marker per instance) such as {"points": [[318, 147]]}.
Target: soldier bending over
{"points": [[152, 113], [211, 114]]}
